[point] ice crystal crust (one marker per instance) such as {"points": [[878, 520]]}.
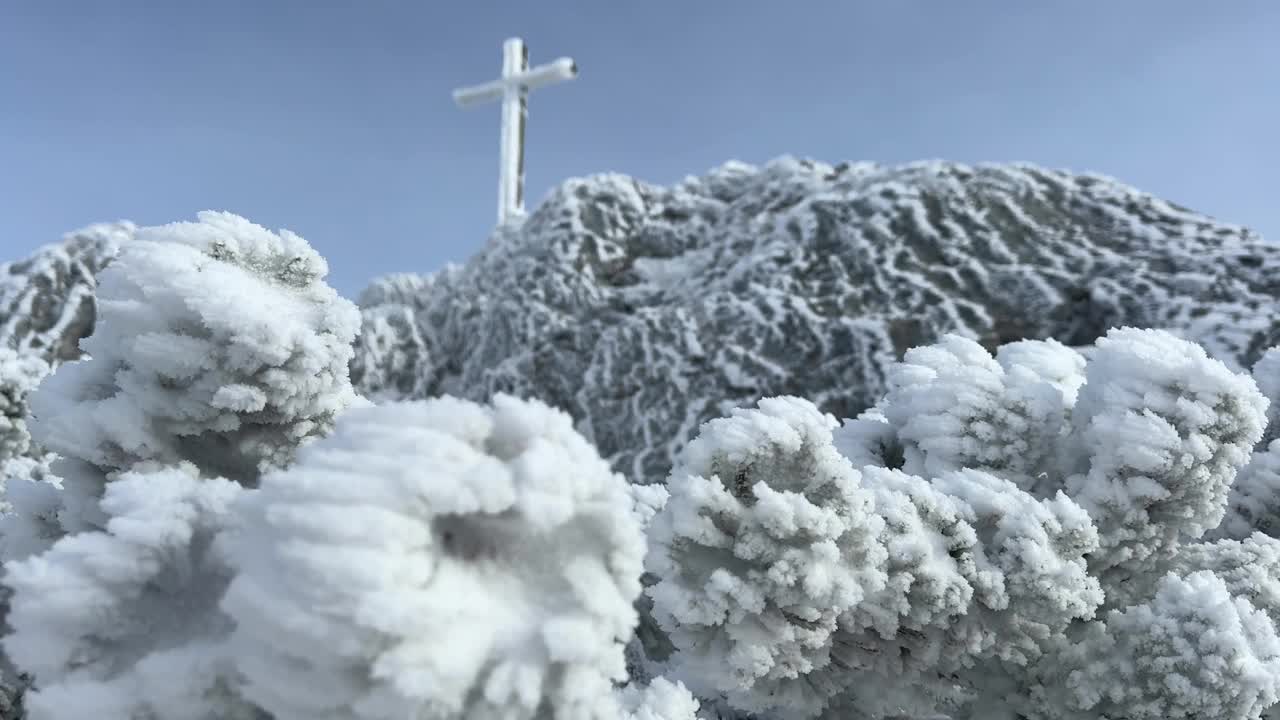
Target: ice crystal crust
{"points": [[982, 578], [1040, 516], [440, 559], [47, 306], [183, 369], [645, 311], [1255, 497], [660, 700]]}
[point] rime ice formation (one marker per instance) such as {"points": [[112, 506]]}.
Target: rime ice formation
{"points": [[20, 373], [1038, 532], [1159, 433], [645, 311], [218, 351], [1101, 599], [441, 559], [953, 406], [47, 300], [124, 621], [766, 539], [217, 342], [1194, 651], [660, 700]]}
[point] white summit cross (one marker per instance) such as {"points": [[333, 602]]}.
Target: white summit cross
{"points": [[513, 89]]}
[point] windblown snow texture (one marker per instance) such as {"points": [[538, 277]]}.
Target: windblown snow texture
{"points": [[645, 311]]}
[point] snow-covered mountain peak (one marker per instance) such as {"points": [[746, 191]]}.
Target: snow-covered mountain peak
{"points": [[646, 310]]}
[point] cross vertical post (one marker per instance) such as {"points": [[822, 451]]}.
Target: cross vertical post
{"points": [[515, 109], [513, 90]]}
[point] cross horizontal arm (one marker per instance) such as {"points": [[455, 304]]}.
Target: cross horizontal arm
{"points": [[541, 76], [477, 94], [555, 71]]}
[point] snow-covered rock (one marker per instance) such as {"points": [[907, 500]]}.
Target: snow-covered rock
{"points": [[46, 300], [645, 311]]}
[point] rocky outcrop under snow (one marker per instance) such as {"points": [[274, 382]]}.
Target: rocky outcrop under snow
{"points": [[645, 311], [46, 300]]}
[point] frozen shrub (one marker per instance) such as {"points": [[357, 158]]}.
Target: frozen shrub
{"points": [[217, 343], [1266, 372], [659, 700], [1158, 433], [1254, 502], [1250, 568], [982, 579], [32, 524], [1195, 650], [124, 622], [1020, 494], [765, 540], [19, 375], [952, 406], [438, 559], [1148, 444], [217, 351], [29, 502]]}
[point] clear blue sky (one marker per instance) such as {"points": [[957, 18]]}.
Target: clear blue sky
{"points": [[334, 118]]}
